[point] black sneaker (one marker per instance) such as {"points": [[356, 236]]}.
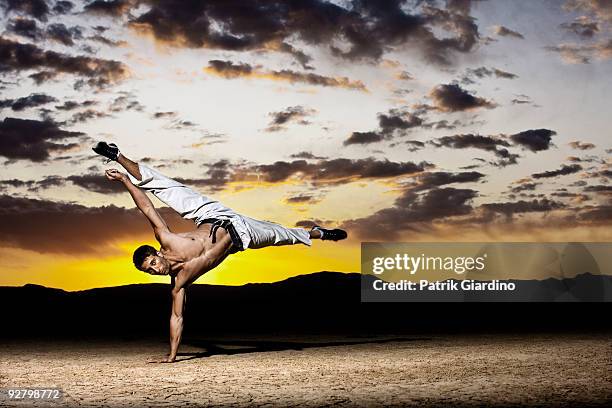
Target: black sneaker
{"points": [[110, 151], [330, 234]]}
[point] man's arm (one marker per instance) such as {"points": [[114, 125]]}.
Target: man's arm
{"points": [[176, 321], [142, 201]]}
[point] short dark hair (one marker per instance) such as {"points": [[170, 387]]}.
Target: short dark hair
{"points": [[141, 253]]}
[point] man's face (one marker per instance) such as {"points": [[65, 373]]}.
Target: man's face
{"points": [[156, 265]]}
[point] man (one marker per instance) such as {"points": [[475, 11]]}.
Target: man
{"points": [[187, 256]]}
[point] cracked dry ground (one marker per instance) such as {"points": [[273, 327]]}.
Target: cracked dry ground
{"points": [[542, 370]]}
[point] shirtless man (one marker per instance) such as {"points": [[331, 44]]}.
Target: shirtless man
{"points": [[219, 232]]}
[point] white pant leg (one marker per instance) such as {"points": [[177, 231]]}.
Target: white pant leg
{"points": [[265, 233], [188, 203]]}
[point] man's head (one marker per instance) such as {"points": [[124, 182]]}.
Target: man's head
{"points": [[149, 260]]}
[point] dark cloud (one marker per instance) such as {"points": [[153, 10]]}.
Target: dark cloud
{"points": [[33, 140], [492, 144], [113, 8], [598, 189], [62, 34], [293, 114], [34, 8], [563, 171], [364, 138], [97, 183], [43, 76], [230, 70], [506, 32], [24, 27], [582, 26], [32, 185], [524, 186], [125, 102], [302, 199], [15, 56], [71, 105], [159, 115], [87, 115], [534, 139], [366, 29], [307, 156], [596, 215], [453, 98], [107, 41], [26, 102], [397, 120], [484, 72], [411, 212], [63, 7], [58, 227], [519, 207], [337, 170], [430, 180]]}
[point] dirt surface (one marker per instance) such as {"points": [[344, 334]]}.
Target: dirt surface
{"points": [[542, 370]]}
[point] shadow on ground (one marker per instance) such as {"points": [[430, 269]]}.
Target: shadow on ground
{"points": [[233, 347]]}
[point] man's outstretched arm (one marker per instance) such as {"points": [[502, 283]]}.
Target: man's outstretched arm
{"points": [[176, 321], [142, 201]]}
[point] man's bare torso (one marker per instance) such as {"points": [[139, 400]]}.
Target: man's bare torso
{"points": [[186, 246]]}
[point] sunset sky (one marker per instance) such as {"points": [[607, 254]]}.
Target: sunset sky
{"points": [[397, 120]]}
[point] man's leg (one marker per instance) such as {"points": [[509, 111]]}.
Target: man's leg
{"points": [[189, 203], [130, 166], [265, 233]]}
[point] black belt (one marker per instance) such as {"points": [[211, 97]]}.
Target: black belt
{"points": [[227, 225]]}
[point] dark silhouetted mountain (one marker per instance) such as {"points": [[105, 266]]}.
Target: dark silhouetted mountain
{"points": [[324, 302]]}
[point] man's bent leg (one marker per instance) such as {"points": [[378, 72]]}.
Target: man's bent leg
{"points": [[265, 233]]}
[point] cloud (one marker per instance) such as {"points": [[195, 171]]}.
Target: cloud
{"points": [[506, 32], [453, 98], [97, 183], [302, 199], [15, 56], [496, 145], [306, 155], [34, 8], [578, 145], [33, 140], [428, 180], [520, 207], [484, 72], [534, 139], [25, 102], [602, 9], [524, 186], [24, 27], [337, 170], [397, 120], [71, 105], [354, 30], [62, 34], [582, 26], [583, 53], [63, 7], [412, 211], [57, 227], [125, 102], [563, 171], [293, 114], [230, 70], [159, 115], [113, 8], [87, 115], [364, 138]]}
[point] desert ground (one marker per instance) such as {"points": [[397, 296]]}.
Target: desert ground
{"points": [[415, 370]]}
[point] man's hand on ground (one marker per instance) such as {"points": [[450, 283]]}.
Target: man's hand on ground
{"points": [[115, 175]]}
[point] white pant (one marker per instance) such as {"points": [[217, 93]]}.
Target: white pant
{"points": [[195, 206]]}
